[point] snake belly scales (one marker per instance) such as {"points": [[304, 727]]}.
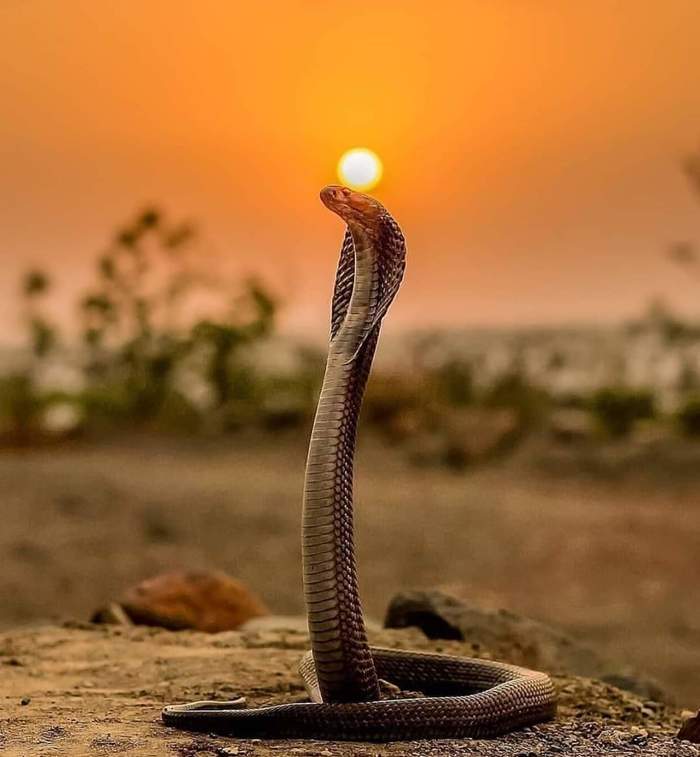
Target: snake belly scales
{"points": [[343, 675]]}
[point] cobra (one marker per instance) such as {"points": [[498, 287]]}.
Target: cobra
{"points": [[343, 675]]}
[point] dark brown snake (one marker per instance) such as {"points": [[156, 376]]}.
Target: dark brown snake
{"points": [[459, 697]]}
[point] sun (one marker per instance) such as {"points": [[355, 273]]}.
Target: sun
{"points": [[360, 169]]}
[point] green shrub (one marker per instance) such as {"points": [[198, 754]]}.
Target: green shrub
{"points": [[395, 407], [618, 409], [137, 334], [141, 339], [513, 390], [452, 383], [689, 416], [20, 407]]}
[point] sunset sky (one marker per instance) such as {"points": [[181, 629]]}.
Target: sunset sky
{"points": [[531, 148]]}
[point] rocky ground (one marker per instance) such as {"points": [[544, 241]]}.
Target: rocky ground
{"points": [[610, 560], [80, 689]]}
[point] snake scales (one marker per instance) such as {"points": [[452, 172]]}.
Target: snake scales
{"points": [[344, 676]]}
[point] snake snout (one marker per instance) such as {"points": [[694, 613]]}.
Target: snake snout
{"points": [[335, 198], [352, 207]]}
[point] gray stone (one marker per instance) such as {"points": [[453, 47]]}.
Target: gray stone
{"points": [[514, 637]]}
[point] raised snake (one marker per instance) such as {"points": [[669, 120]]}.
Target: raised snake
{"points": [[343, 675]]}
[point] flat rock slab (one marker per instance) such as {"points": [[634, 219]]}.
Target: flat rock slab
{"points": [[98, 690]]}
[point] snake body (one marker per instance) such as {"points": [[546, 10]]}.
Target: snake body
{"points": [[343, 675]]}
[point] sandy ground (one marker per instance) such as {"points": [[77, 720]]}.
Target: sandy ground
{"points": [[94, 691], [614, 562]]}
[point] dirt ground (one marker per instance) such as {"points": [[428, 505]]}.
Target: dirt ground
{"points": [[96, 691], [613, 561]]}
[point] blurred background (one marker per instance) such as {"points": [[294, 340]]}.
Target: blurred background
{"points": [[531, 433]]}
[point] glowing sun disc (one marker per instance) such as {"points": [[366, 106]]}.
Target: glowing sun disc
{"points": [[360, 169]]}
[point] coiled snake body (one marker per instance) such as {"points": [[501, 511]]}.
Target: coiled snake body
{"points": [[459, 697]]}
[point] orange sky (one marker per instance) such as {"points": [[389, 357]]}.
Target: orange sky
{"points": [[531, 147]]}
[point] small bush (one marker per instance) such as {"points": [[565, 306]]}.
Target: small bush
{"points": [[514, 391], [393, 406], [617, 409], [453, 383], [689, 416], [20, 406]]}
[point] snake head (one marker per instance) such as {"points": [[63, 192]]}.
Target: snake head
{"points": [[382, 250], [354, 208]]}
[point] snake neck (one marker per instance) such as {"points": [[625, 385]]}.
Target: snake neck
{"points": [[342, 657]]}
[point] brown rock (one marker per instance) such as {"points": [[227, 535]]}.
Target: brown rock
{"points": [[690, 730], [202, 601]]}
